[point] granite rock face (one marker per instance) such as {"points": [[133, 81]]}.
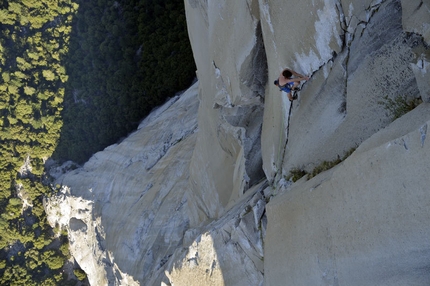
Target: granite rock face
{"points": [[199, 194], [117, 206], [359, 54], [364, 222]]}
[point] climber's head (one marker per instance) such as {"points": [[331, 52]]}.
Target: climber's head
{"points": [[287, 74]]}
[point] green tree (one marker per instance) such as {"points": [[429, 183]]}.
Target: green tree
{"points": [[6, 17], [28, 90], [48, 75], [80, 274], [53, 260]]}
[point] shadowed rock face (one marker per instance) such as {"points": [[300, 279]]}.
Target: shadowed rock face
{"points": [[185, 199], [77, 224]]}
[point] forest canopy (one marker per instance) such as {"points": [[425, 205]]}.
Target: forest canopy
{"points": [[125, 58], [34, 41], [75, 76]]}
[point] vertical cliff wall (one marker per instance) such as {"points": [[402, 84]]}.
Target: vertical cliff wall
{"points": [[200, 193], [232, 73], [357, 52]]}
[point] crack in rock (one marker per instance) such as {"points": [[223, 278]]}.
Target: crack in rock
{"points": [[423, 131]]}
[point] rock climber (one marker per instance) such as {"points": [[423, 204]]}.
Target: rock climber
{"points": [[287, 83]]}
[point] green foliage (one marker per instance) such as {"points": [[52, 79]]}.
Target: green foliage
{"points": [[80, 274], [49, 75], [327, 165], [53, 260], [399, 106], [297, 173], [31, 96], [64, 248]]}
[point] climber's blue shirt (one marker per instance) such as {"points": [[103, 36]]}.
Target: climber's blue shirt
{"points": [[287, 87]]}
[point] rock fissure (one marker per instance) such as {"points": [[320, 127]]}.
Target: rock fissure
{"points": [[159, 152], [423, 132], [419, 5]]}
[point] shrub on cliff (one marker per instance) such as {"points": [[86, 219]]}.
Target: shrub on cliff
{"points": [[80, 274], [399, 106]]}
